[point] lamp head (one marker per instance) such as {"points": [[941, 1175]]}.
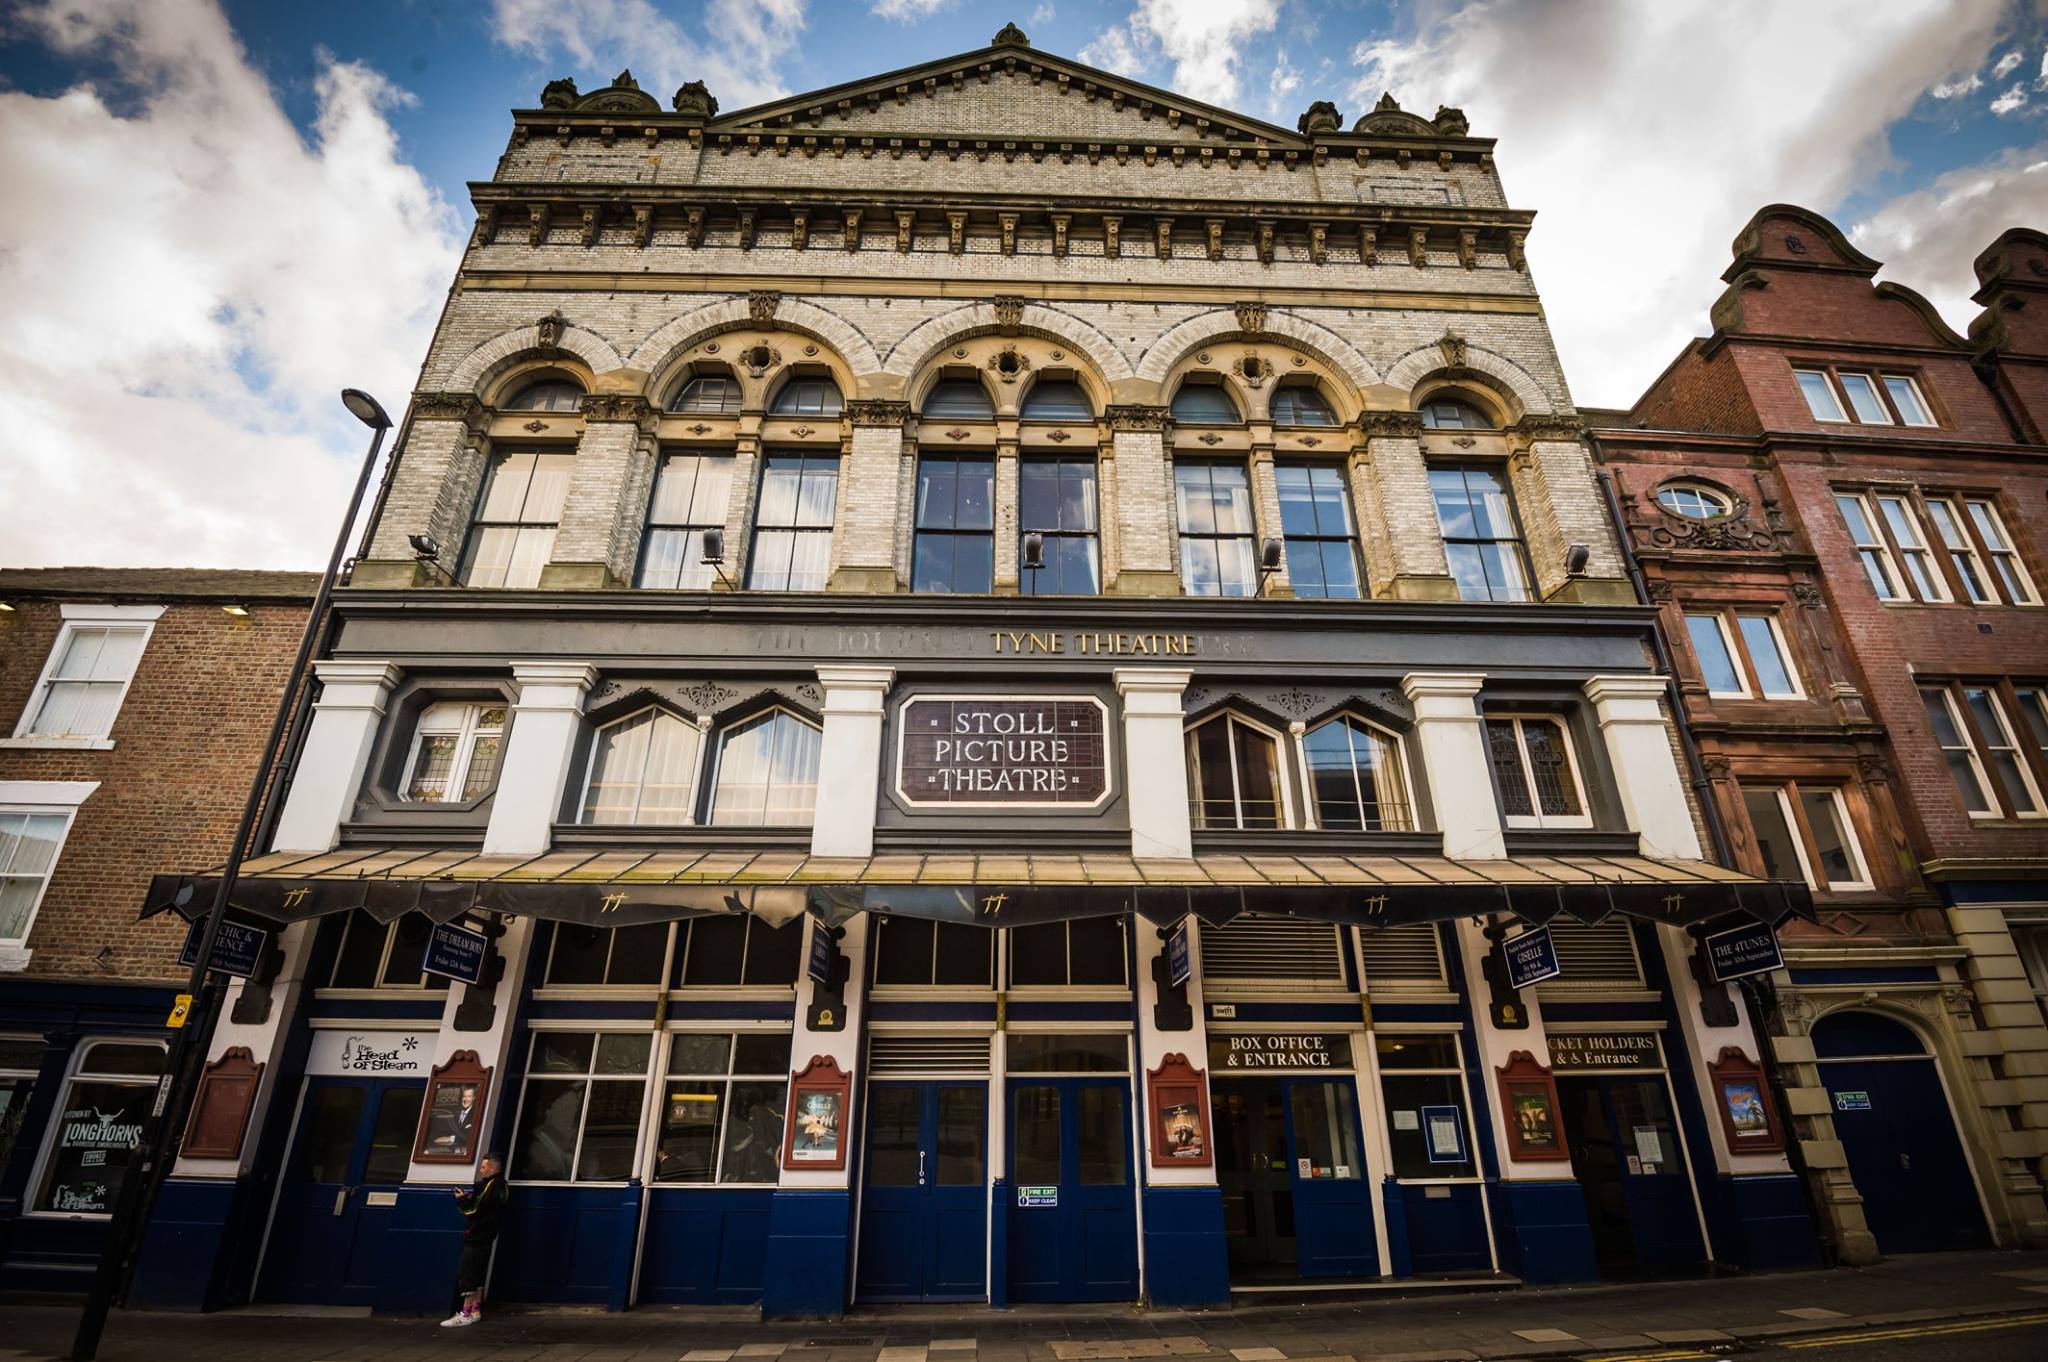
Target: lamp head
{"points": [[1270, 551], [1033, 550], [713, 548], [1575, 559], [364, 408]]}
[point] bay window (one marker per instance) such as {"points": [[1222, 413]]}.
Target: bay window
{"points": [[1536, 772], [455, 751]]}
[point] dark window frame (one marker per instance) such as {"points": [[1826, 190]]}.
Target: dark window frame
{"points": [[1517, 544], [1030, 581], [935, 527]]}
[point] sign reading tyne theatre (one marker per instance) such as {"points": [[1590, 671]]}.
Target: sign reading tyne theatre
{"points": [[963, 750]]}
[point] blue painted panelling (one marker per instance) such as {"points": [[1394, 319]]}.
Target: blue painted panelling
{"points": [[705, 1245], [809, 1237], [1186, 1260], [1545, 1223], [1895, 974], [1048, 1011], [1773, 1231], [716, 1011], [379, 1009], [558, 1244], [1995, 891], [937, 1012], [421, 1246], [1445, 1232], [578, 1009], [182, 1245], [1400, 1263]]}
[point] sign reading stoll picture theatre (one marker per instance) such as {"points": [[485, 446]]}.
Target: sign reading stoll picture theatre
{"points": [[1041, 751]]}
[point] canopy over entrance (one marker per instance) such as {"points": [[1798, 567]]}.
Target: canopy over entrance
{"points": [[620, 888]]}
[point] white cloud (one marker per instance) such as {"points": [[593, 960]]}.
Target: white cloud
{"points": [[1285, 80], [1202, 38], [1640, 189], [2007, 64], [2012, 100], [2041, 81], [1928, 238], [745, 41], [908, 11], [1954, 88], [190, 283], [1117, 50], [1043, 14]]}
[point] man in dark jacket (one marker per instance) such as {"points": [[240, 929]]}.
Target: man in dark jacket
{"points": [[483, 1209]]}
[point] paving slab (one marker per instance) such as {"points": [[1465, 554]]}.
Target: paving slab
{"points": [[1683, 1337], [1546, 1335], [1813, 1312]]}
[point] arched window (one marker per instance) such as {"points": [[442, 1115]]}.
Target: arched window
{"points": [[958, 399], [1301, 405], [1057, 399], [1454, 413], [1234, 770], [767, 772], [549, 394], [1694, 502], [1204, 404], [1354, 772], [643, 770], [708, 395], [805, 396]]}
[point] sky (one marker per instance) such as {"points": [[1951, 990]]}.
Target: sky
{"points": [[214, 216]]}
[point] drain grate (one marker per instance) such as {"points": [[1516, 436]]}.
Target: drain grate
{"points": [[844, 1341]]}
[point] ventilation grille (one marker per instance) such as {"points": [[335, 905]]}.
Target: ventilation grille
{"points": [[1403, 955], [1273, 948], [1602, 953], [892, 1053]]}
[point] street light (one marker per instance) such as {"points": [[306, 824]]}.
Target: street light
{"points": [[189, 1042]]}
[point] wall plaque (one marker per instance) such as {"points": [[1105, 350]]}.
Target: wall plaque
{"points": [[983, 751], [220, 1111]]}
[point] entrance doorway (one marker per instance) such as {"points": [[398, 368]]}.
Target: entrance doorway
{"points": [[1631, 1169], [1899, 1135], [1073, 1215], [924, 1206], [1296, 1202], [348, 1159]]}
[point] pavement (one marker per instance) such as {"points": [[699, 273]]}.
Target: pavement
{"points": [[1944, 1298]]}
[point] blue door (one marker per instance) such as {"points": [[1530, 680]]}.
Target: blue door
{"points": [[1332, 1204], [1899, 1136], [1074, 1223], [924, 1203], [1626, 1157], [349, 1156]]}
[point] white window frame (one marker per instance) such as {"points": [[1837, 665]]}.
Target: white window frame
{"points": [[1712, 498], [657, 1119], [466, 730], [1743, 689], [1841, 416], [1874, 388], [1776, 624], [1850, 842], [1936, 586], [1539, 819], [2013, 744], [40, 797], [650, 1077], [1894, 580], [1285, 820], [702, 726], [1950, 508], [74, 1069], [1982, 775], [711, 786], [2005, 553], [141, 618]]}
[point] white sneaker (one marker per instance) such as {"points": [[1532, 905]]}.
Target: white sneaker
{"points": [[459, 1320]]}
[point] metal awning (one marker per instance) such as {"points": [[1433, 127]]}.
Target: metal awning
{"points": [[620, 888]]}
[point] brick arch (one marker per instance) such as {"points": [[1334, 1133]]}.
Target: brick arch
{"points": [[1524, 395], [655, 354], [474, 370], [928, 340], [1281, 326]]}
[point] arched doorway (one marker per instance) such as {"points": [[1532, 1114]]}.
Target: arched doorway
{"points": [[1899, 1134]]}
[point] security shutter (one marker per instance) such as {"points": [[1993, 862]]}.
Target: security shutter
{"points": [[892, 1052], [1402, 955], [1271, 949], [1600, 953]]}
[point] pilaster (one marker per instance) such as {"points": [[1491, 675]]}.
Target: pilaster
{"points": [[599, 533], [1144, 503], [545, 723], [1409, 565], [1155, 761], [1638, 737], [1449, 732], [435, 479], [850, 760], [335, 753], [870, 500]]}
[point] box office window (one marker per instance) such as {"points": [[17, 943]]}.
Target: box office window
{"points": [[579, 1118], [21, 1060], [1423, 1094], [1080, 951], [1028, 1052], [98, 1125], [373, 954], [607, 955], [721, 1107], [920, 952], [740, 949]]}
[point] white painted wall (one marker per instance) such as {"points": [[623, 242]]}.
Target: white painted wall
{"points": [[546, 721], [1155, 761], [1453, 745], [850, 760]]}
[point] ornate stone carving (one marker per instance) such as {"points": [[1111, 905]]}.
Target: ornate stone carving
{"points": [[1515, 244], [593, 222], [1210, 437], [906, 223], [1659, 589], [1111, 228], [699, 429], [1214, 227], [1298, 702], [956, 228], [1262, 240], [1252, 371], [872, 411], [1251, 317], [1162, 231], [486, 225], [1807, 594], [1728, 534], [623, 95], [550, 331], [1452, 347], [464, 407], [536, 425], [643, 224], [708, 697], [1368, 246], [810, 695], [1060, 224], [1008, 365], [1131, 416], [695, 99], [1451, 122], [852, 240], [1468, 248], [1310, 440], [1006, 226], [537, 224], [1464, 442], [559, 94], [1009, 313], [958, 434], [801, 431], [761, 305], [1418, 246], [1009, 35], [1322, 117], [759, 359], [1058, 436], [1540, 429], [799, 230], [1391, 425], [1715, 765], [618, 407]]}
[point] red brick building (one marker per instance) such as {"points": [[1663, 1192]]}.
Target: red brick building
{"points": [[1841, 506], [133, 707]]}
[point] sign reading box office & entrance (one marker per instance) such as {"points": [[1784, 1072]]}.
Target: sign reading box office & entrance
{"points": [[1003, 751], [1280, 1050]]}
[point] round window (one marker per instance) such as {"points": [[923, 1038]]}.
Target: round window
{"points": [[1694, 503]]}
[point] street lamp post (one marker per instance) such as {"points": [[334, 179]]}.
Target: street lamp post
{"points": [[188, 1043]]}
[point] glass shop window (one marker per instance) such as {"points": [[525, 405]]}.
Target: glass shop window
{"points": [[1422, 1092], [921, 952], [21, 1060], [1035, 1053], [1084, 951], [721, 1107], [1325, 1129], [373, 954], [607, 955], [98, 1125], [579, 1118], [740, 949]]}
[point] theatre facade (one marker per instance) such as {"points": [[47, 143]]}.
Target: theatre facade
{"points": [[988, 685]]}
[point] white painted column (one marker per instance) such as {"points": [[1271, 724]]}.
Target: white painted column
{"points": [[492, 1051], [1155, 761], [545, 724], [1705, 1044], [1495, 1046], [850, 760], [842, 1047], [1453, 742], [1631, 716], [336, 750], [1154, 1045]]}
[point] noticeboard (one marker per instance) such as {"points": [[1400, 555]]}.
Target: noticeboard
{"points": [[237, 950], [1742, 951]]}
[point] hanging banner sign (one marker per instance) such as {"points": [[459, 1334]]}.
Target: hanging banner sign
{"points": [[1531, 957], [1179, 956], [456, 953], [1328, 1050], [1604, 1050], [237, 950], [969, 751], [1742, 951], [819, 963]]}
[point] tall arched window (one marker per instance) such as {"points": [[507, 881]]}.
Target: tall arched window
{"points": [[708, 394], [767, 772], [1057, 399], [1204, 404], [958, 399], [1234, 771], [1354, 773], [549, 394], [1301, 405], [804, 395], [643, 769]]}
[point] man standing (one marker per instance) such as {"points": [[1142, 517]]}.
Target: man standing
{"points": [[483, 1208]]}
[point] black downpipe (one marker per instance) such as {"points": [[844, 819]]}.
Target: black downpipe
{"points": [[1724, 854]]}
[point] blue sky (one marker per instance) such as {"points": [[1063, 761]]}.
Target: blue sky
{"points": [[219, 216]]}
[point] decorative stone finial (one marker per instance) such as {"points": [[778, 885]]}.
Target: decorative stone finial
{"points": [[695, 98], [624, 80], [1451, 122], [558, 94], [1387, 104], [1010, 36], [1322, 117]]}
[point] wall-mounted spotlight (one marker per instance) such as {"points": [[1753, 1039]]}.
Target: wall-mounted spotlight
{"points": [[1575, 559], [711, 553], [1032, 554], [1271, 553], [5, 608], [239, 612]]}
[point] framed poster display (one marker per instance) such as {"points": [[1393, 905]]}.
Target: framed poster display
{"points": [[1743, 1100], [1528, 1101], [1180, 1114], [816, 1135], [220, 1110], [452, 1117]]}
